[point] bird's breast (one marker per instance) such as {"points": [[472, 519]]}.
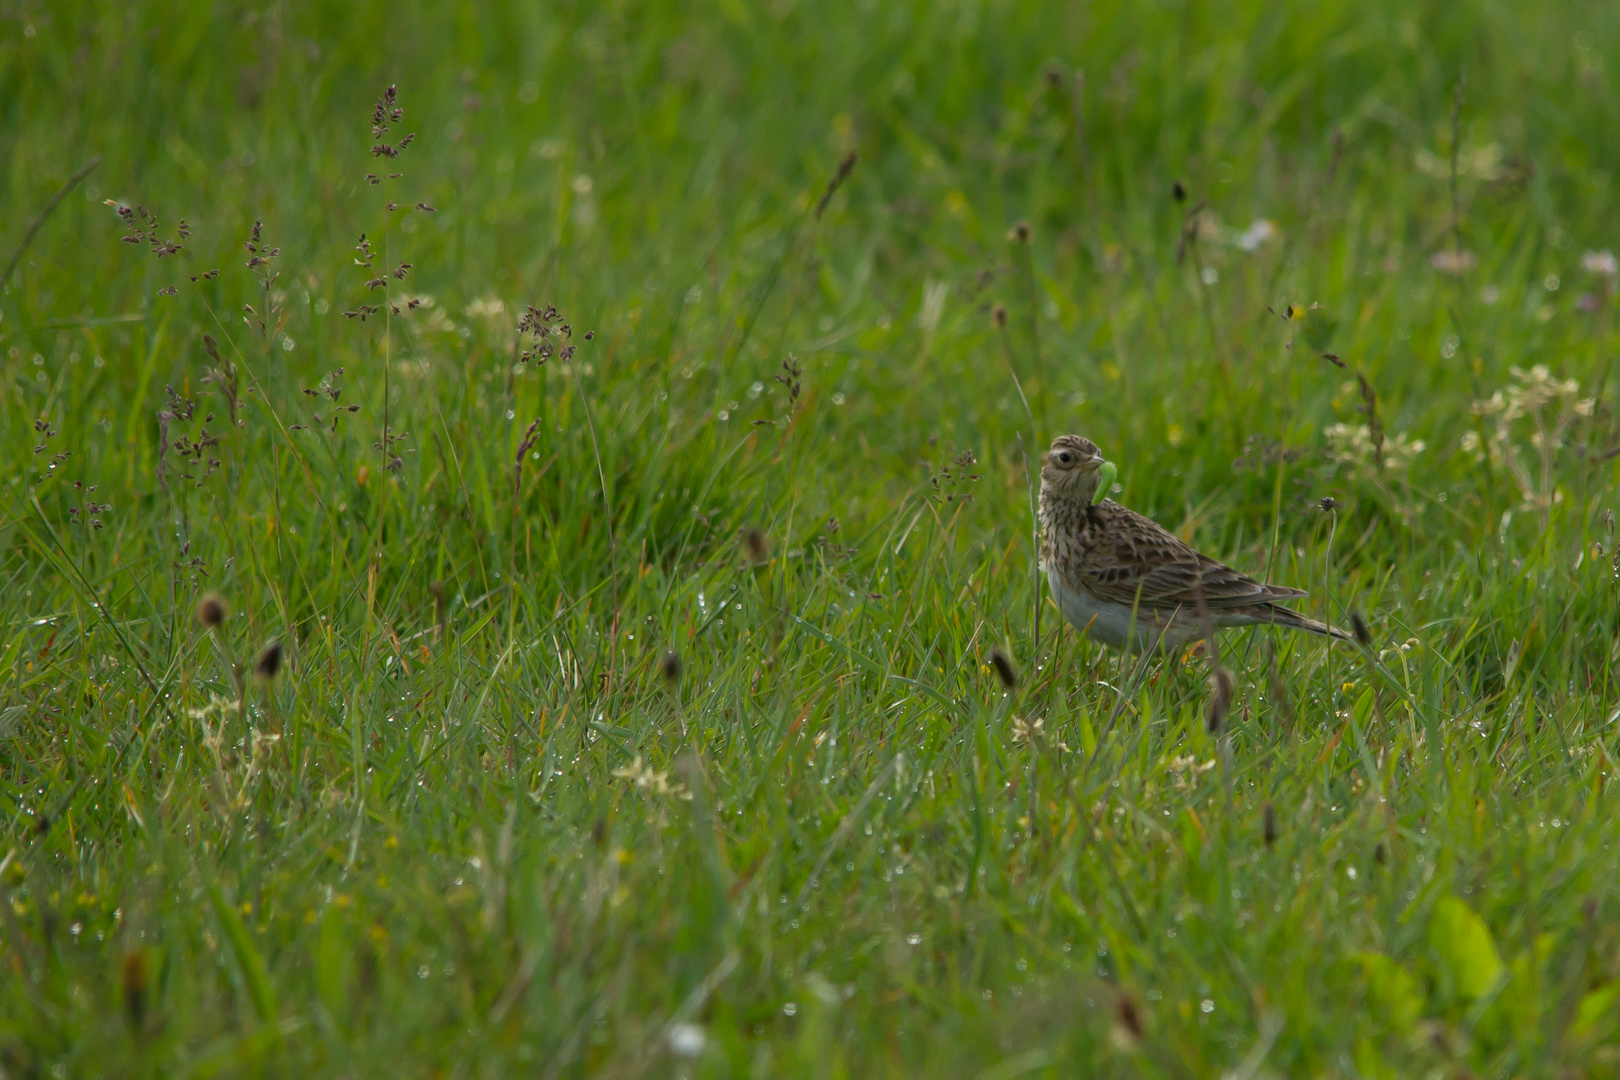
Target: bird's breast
{"points": [[1101, 620], [1112, 623]]}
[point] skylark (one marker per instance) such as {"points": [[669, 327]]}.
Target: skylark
{"points": [[1129, 583]]}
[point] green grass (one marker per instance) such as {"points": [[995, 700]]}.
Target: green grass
{"points": [[494, 838]]}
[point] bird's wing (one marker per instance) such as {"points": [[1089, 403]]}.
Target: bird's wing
{"points": [[1135, 562]]}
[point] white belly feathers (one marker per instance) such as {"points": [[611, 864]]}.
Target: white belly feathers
{"points": [[1110, 623]]}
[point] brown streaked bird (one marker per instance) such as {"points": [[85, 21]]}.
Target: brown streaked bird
{"points": [[1130, 583]]}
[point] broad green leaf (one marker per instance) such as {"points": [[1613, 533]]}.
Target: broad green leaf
{"points": [[1192, 836], [1464, 944], [1524, 999], [252, 964], [1088, 735], [1392, 990], [1369, 1062], [1596, 1007], [333, 961]]}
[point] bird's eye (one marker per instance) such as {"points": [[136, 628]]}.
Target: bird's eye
{"points": [[1065, 457]]}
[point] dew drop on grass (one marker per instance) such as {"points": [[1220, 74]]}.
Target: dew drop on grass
{"points": [[913, 939]]}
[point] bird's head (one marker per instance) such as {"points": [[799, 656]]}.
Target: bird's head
{"points": [[1073, 469]]}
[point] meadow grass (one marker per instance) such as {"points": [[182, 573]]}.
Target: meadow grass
{"points": [[403, 695]]}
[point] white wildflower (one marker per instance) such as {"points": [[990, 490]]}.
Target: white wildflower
{"points": [[645, 778], [1352, 444], [492, 308], [1602, 263], [1256, 234], [687, 1040], [1453, 262]]}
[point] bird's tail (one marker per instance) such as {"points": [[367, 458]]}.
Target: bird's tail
{"points": [[1272, 615]]}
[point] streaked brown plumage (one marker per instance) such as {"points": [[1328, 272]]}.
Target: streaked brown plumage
{"points": [[1130, 583]]}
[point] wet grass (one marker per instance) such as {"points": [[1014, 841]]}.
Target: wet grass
{"points": [[681, 750]]}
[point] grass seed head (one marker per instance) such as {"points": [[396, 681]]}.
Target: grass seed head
{"points": [[440, 605], [1179, 191], [756, 546], [789, 377], [1220, 700], [133, 976], [1269, 825], [845, 167], [1375, 425], [268, 666], [1129, 1017], [998, 315], [670, 666], [1362, 631], [211, 610], [1004, 669], [1019, 233]]}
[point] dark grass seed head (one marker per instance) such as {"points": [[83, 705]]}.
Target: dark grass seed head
{"points": [[1268, 818], [133, 977], [669, 666], [1129, 1017], [440, 603], [268, 666], [756, 546], [1005, 671], [1363, 633], [1220, 700], [845, 167], [998, 315], [211, 610]]}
